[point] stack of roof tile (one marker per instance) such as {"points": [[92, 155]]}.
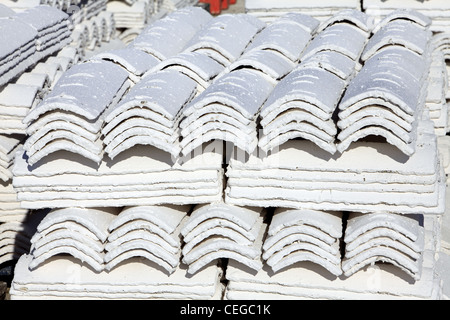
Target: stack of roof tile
{"points": [[268, 10], [152, 233], [52, 26], [436, 101], [227, 110], [16, 235], [304, 235], [121, 182], [9, 144], [304, 103], [391, 238], [10, 208], [307, 280], [30, 36], [171, 5], [78, 232], [19, 50], [387, 97], [16, 100], [369, 177], [6, 11], [130, 14], [111, 254], [437, 10], [149, 114], [218, 230], [67, 278], [70, 117]]}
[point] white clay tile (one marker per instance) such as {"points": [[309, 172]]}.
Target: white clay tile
{"points": [[244, 217], [96, 220], [167, 218], [39, 240], [331, 223], [162, 252], [155, 285], [305, 280]]}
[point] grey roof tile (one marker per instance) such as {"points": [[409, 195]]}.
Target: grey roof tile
{"points": [[404, 14], [135, 61], [398, 32], [87, 89], [334, 62], [196, 65], [158, 93], [277, 36], [226, 36], [243, 90], [269, 62], [353, 16], [307, 22], [305, 84], [342, 37]]}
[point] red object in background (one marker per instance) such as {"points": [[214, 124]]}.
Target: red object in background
{"points": [[224, 4], [232, 1], [214, 5]]}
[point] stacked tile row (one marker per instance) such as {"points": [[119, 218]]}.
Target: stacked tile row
{"points": [[383, 179], [15, 236], [105, 248], [299, 247], [389, 274], [31, 36]]}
